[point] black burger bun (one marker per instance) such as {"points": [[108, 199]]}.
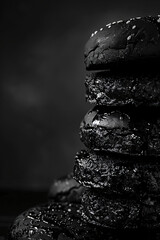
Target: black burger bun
{"points": [[132, 41]]}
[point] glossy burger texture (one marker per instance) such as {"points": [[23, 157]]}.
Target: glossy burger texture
{"points": [[123, 87], [117, 174], [121, 213]]}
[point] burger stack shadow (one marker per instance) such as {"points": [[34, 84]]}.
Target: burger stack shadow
{"points": [[120, 167]]}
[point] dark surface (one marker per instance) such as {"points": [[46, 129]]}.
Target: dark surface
{"points": [[130, 40], [12, 203], [133, 131], [117, 173], [137, 87]]}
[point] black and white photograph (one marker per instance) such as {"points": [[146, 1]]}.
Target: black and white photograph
{"points": [[80, 120]]}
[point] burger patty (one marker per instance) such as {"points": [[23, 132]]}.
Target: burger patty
{"points": [[62, 221], [117, 173], [122, 88], [52, 221], [120, 213]]}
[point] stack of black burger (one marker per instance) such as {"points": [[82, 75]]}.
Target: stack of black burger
{"points": [[120, 169], [117, 196]]}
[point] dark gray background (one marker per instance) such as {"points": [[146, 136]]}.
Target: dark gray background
{"points": [[42, 83]]}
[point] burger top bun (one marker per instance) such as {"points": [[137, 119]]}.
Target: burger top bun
{"points": [[126, 41]]}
